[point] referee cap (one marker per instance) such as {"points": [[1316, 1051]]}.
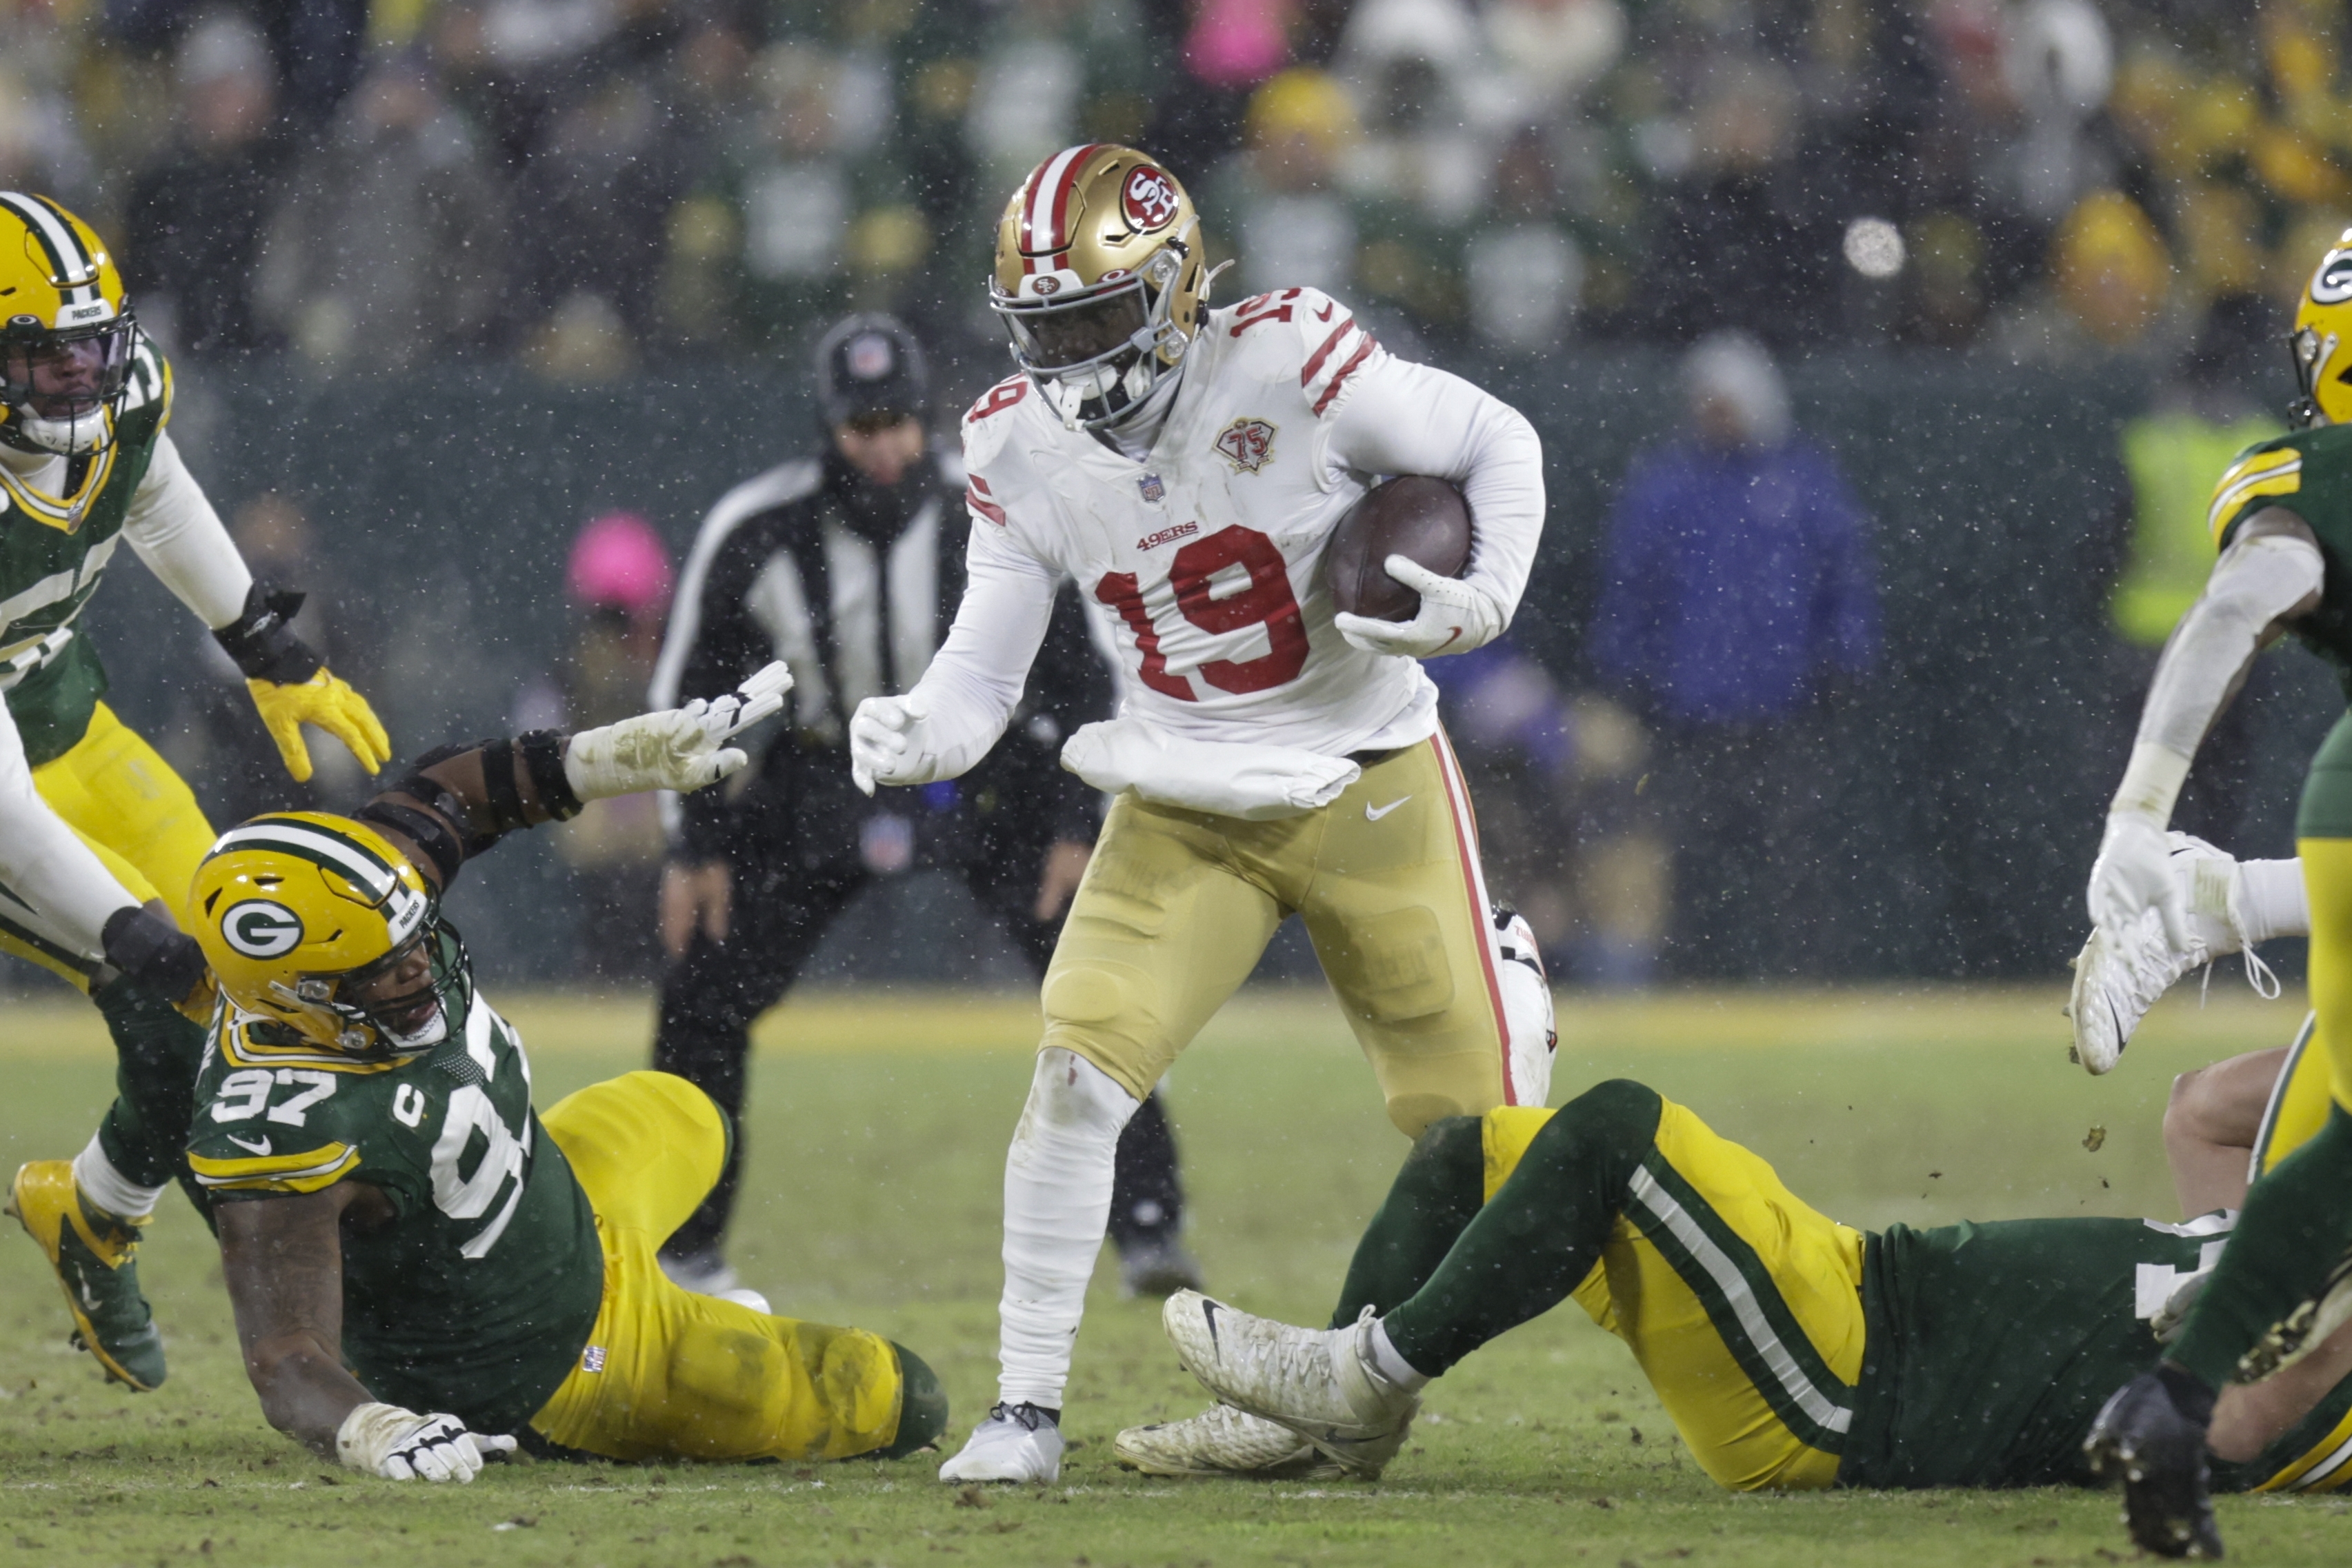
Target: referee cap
{"points": [[870, 363]]}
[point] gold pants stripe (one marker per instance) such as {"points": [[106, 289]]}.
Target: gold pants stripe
{"points": [[1177, 906], [670, 1375], [1813, 1267], [2328, 883], [2298, 1104], [137, 815]]}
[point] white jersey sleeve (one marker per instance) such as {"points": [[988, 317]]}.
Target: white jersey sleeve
{"points": [[53, 890], [176, 532]]}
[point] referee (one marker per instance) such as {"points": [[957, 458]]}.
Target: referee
{"points": [[849, 566]]}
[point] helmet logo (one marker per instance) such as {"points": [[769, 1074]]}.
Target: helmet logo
{"points": [[2332, 284], [1149, 199], [1048, 284], [262, 928]]}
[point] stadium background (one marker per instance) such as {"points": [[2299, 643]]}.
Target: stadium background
{"points": [[449, 279]]}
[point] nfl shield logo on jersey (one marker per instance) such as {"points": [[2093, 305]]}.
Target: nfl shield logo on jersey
{"points": [[1247, 444], [1154, 492]]}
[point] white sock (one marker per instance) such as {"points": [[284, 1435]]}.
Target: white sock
{"points": [[1392, 1366], [2272, 900], [109, 1189], [1057, 1181]]}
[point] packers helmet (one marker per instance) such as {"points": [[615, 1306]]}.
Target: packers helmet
{"points": [[65, 330], [2322, 340], [300, 913], [1099, 277]]}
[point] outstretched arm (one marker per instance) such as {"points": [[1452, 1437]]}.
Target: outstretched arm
{"points": [[2270, 574]]}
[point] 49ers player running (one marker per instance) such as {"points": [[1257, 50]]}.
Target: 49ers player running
{"points": [[1186, 466]]}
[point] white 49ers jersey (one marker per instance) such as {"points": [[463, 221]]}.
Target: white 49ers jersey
{"points": [[1207, 554]]}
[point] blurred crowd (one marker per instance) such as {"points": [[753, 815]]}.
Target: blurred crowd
{"points": [[596, 185]]}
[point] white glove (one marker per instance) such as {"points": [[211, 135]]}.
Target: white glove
{"points": [[402, 1446], [887, 743], [677, 748], [1455, 616], [2134, 875]]}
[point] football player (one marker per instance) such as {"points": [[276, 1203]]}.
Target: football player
{"points": [[2282, 518], [1186, 466], [98, 836], [424, 1271], [1790, 1352]]}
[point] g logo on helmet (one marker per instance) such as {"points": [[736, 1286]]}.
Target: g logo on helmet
{"points": [[2332, 283], [1149, 199], [261, 928]]}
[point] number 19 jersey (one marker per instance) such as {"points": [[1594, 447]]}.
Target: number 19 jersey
{"points": [[476, 1297], [1206, 556]]}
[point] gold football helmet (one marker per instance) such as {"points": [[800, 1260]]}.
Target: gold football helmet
{"points": [[1099, 277], [65, 330], [301, 914], [2321, 339]]}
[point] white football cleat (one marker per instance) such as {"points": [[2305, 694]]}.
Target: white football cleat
{"points": [[2119, 975], [1527, 1007], [1222, 1441], [1016, 1443], [1319, 1383]]}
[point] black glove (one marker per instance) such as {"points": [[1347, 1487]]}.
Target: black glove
{"points": [[142, 942]]}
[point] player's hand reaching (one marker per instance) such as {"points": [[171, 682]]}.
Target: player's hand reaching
{"points": [[2133, 875], [677, 748], [1455, 616], [328, 700], [887, 743], [402, 1446]]}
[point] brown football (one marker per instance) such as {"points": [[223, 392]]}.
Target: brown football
{"points": [[1422, 520]]}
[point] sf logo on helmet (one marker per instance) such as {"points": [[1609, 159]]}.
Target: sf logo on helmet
{"points": [[2333, 286], [1150, 199], [260, 928]]}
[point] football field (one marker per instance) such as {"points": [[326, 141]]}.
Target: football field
{"points": [[877, 1135]]}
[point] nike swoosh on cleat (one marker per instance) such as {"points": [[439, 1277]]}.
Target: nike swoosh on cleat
{"points": [[1374, 813], [1209, 1317]]}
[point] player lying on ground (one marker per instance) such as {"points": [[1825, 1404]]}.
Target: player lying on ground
{"points": [[2282, 519], [1188, 467], [421, 1266], [98, 836], [1790, 1350]]}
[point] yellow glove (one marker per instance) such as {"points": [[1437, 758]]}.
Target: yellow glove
{"points": [[331, 704]]}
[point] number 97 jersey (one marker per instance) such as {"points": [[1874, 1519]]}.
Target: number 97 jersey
{"points": [[1207, 554], [476, 1297]]}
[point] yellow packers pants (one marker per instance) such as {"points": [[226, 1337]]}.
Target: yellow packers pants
{"points": [[1740, 1300], [141, 819], [2299, 1100], [2328, 883], [670, 1375], [1177, 906]]}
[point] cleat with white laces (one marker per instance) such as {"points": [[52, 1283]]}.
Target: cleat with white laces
{"points": [[2119, 975], [1319, 1383], [1016, 1443], [1222, 1441]]}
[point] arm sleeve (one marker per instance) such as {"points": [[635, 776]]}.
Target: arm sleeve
{"points": [[176, 532], [975, 680], [1403, 418], [44, 864], [2255, 583]]}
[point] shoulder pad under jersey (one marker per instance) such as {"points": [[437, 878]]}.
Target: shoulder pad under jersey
{"points": [[1301, 337]]}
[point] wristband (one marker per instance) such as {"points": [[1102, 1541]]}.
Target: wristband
{"points": [[262, 643]]}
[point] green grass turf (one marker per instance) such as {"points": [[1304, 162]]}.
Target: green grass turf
{"points": [[877, 1140]]}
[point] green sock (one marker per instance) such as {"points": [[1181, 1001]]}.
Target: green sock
{"points": [[1538, 1236], [2296, 1225], [157, 1054], [1433, 1197]]}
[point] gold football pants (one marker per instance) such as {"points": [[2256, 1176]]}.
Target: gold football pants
{"points": [[136, 815], [670, 1375], [1177, 906], [2328, 883], [1741, 1301]]}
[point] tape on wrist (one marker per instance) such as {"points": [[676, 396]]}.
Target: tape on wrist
{"points": [[261, 641], [542, 757]]}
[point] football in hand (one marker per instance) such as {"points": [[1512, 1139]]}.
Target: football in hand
{"points": [[1422, 520]]}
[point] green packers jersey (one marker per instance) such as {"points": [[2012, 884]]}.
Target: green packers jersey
{"points": [[2308, 472], [477, 1297], [1990, 1349], [53, 551]]}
